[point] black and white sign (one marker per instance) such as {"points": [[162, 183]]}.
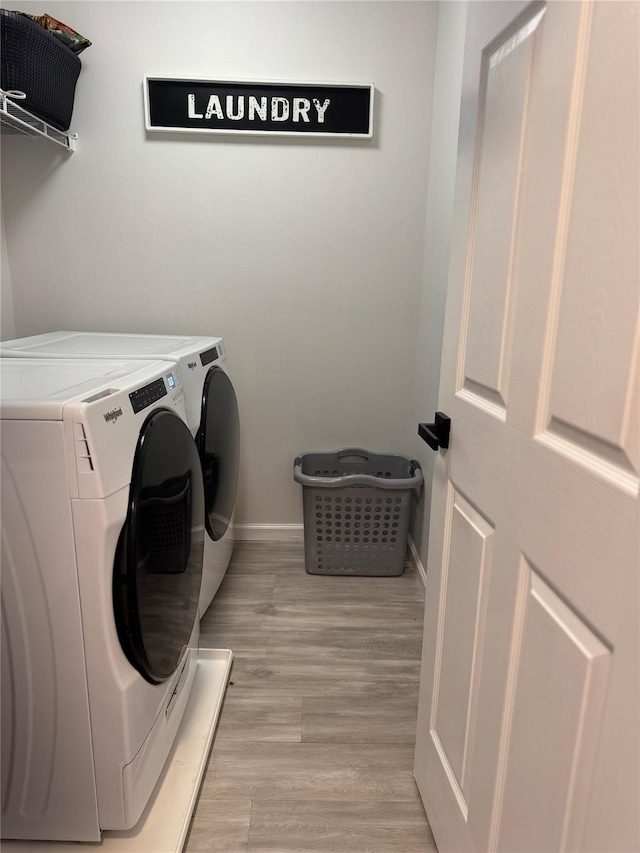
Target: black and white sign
{"points": [[286, 109]]}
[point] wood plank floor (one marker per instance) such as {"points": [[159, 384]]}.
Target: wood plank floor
{"points": [[314, 747]]}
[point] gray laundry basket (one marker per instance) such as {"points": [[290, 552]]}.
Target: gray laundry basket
{"points": [[357, 509]]}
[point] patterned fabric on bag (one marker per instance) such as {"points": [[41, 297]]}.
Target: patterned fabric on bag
{"points": [[73, 40]]}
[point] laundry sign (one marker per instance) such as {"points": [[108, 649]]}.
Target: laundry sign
{"points": [[284, 109]]}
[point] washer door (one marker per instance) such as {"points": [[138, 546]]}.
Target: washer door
{"points": [[158, 566], [219, 445]]}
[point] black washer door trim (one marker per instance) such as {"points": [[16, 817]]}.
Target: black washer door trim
{"points": [[158, 565]]}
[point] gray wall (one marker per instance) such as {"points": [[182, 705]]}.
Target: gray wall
{"points": [[7, 326], [305, 255]]}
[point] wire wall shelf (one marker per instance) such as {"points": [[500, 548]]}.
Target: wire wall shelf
{"points": [[15, 120]]}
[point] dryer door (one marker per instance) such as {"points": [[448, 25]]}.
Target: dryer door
{"points": [[158, 567], [219, 445]]}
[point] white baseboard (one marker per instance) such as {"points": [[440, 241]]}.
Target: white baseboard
{"points": [[268, 532], [417, 562], [273, 532]]}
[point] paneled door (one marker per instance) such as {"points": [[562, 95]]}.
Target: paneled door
{"points": [[528, 727]]}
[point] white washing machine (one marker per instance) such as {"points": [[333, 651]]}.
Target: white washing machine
{"points": [[212, 413], [102, 540]]}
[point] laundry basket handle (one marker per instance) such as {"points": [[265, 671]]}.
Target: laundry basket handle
{"points": [[360, 452], [413, 482]]}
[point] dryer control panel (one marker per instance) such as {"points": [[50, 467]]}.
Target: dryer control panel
{"points": [[209, 355]]}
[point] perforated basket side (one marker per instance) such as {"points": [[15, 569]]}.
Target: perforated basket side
{"points": [[356, 531]]}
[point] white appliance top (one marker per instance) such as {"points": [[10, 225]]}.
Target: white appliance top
{"points": [[36, 389], [106, 345], [98, 407]]}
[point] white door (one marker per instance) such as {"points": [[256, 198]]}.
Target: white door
{"points": [[528, 727]]}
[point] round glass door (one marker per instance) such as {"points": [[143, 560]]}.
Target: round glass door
{"points": [[219, 445], [158, 566]]}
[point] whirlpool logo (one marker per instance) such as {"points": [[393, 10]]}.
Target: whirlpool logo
{"points": [[113, 415]]}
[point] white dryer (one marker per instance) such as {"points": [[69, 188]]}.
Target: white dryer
{"points": [[102, 538], [212, 413]]}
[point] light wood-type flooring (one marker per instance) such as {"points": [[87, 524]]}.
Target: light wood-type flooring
{"points": [[314, 747]]}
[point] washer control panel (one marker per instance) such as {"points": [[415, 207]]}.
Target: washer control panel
{"points": [[173, 381], [148, 394]]}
